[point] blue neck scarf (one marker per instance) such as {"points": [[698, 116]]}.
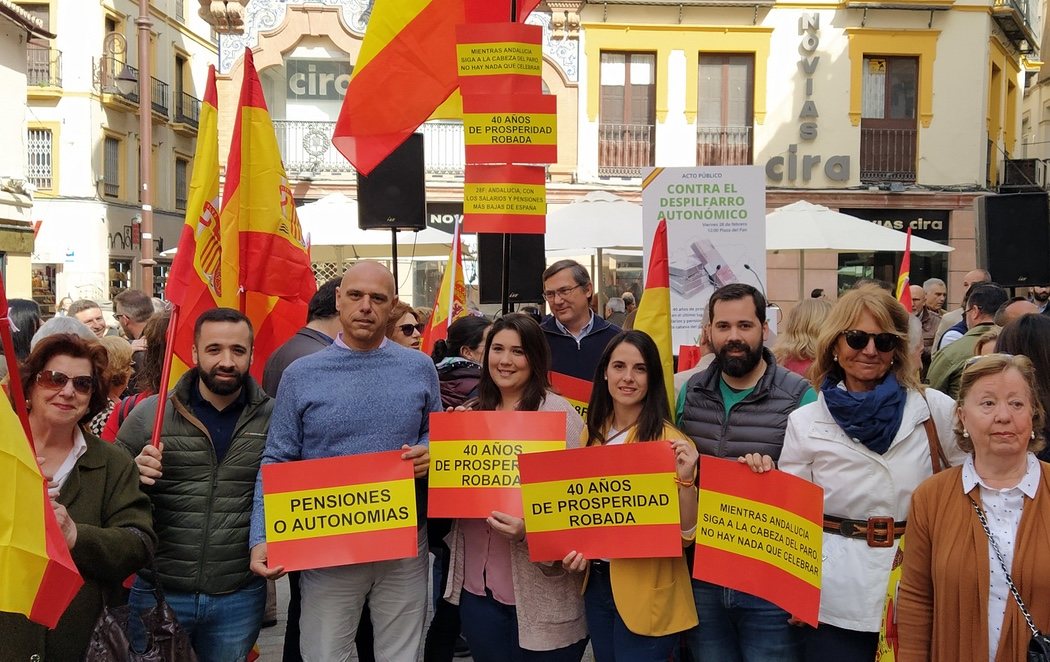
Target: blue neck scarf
{"points": [[870, 417]]}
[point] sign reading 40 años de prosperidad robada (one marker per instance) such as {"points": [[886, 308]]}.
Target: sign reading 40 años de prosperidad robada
{"points": [[339, 510], [602, 501], [761, 534], [474, 458]]}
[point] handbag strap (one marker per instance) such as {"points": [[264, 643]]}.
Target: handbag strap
{"points": [[158, 590], [937, 457], [1002, 564]]}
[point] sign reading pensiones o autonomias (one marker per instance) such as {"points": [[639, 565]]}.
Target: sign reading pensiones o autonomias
{"points": [[761, 534], [339, 510], [602, 501], [716, 235], [474, 458]]}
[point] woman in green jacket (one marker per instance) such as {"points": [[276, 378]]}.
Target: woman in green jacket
{"points": [[94, 488]]}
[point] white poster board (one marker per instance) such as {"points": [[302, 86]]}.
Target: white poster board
{"points": [[716, 235]]}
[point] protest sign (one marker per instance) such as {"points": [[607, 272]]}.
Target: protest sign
{"points": [[577, 391], [340, 510], [602, 501], [474, 458], [761, 534], [511, 128], [499, 58], [505, 198]]}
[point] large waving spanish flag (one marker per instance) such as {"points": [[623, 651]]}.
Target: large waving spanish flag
{"points": [[451, 300], [260, 225], [407, 67], [654, 311], [197, 282], [37, 575]]}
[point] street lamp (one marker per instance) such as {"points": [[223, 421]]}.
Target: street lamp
{"points": [[125, 81]]}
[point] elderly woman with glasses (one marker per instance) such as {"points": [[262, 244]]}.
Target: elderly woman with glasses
{"points": [[94, 490], [404, 326], [872, 436], [979, 529]]}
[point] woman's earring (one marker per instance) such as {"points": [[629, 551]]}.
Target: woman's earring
{"points": [[966, 435], [1033, 434], [835, 358]]}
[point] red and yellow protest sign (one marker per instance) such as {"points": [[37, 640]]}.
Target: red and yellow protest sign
{"points": [[504, 199], [505, 128], [474, 458], [602, 501], [340, 510], [496, 58], [761, 534], [577, 391]]}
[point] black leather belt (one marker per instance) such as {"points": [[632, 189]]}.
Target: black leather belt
{"points": [[877, 531]]}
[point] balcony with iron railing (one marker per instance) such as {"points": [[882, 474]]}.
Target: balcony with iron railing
{"points": [[111, 75], [1017, 19], [159, 96], [43, 66], [307, 150], [887, 155], [723, 145], [624, 149], [187, 113]]}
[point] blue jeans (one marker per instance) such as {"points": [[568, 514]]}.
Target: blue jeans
{"points": [[738, 627], [491, 629], [222, 628], [610, 638]]}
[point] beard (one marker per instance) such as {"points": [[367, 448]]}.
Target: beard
{"points": [[738, 366], [1041, 297], [218, 387]]}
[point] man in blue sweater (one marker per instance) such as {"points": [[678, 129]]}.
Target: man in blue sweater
{"points": [[577, 337], [363, 394]]}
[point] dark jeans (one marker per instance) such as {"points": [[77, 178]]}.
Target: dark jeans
{"points": [[610, 638], [738, 627], [441, 638], [221, 628], [828, 643], [491, 629], [365, 644]]}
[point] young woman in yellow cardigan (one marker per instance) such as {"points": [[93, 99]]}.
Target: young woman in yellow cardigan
{"points": [[636, 608]]}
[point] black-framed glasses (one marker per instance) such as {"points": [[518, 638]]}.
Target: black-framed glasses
{"points": [[884, 342], [56, 381], [562, 292], [407, 329]]}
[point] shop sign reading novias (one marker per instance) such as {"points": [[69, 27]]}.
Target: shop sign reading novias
{"points": [[796, 167]]}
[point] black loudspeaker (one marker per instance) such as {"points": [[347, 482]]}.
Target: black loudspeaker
{"points": [[1013, 238], [526, 267], [393, 195]]}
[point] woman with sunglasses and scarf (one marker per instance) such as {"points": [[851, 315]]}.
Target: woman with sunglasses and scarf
{"points": [[94, 489], [867, 443], [404, 326]]}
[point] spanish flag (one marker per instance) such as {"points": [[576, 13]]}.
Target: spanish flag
{"points": [[196, 281], [654, 311], [407, 67], [37, 575], [904, 279], [260, 225], [451, 301]]}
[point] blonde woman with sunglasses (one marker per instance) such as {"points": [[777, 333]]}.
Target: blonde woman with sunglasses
{"points": [[872, 436]]}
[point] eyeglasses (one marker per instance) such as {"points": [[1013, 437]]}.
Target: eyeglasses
{"points": [[407, 329], [563, 292], [56, 381], [884, 342], [974, 359]]}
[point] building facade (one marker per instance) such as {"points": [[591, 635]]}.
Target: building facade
{"points": [[902, 112], [83, 142]]}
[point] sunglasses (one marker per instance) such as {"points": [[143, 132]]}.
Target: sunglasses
{"points": [[407, 329], [56, 381], [884, 342]]}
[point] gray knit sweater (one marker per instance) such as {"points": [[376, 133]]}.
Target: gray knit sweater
{"points": [[344, 402]]}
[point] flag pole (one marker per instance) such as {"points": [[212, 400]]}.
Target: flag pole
{"points": [[13, 371], [505, 291], [165, 375]]}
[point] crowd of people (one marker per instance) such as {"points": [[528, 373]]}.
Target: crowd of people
{"points": [[928, 422]]}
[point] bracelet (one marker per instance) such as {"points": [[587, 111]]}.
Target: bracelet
{"points": [[686, 483]]}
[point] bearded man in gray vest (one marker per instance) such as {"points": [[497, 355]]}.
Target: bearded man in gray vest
{"points": [[740, 405]]}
